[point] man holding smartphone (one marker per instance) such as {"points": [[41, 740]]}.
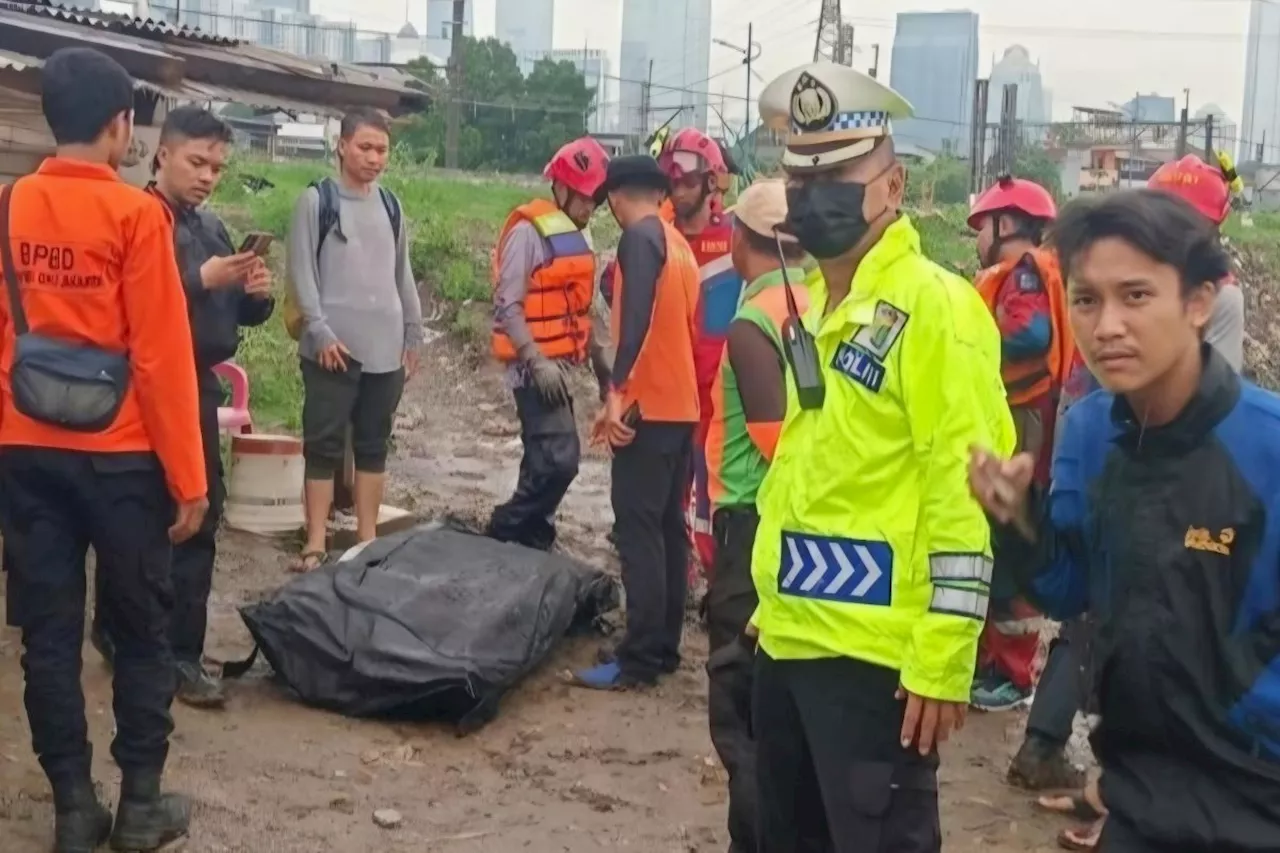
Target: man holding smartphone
{"points": [[225, 289]]}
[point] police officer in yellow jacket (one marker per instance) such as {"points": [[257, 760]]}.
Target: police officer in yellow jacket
{"points": [[872, 561]]}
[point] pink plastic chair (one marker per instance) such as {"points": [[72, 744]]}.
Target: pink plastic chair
{"points": [[235, 418]]}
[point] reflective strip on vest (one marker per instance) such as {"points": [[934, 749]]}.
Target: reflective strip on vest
{"points": [[834, 569], [959, 602], [960, 567]]}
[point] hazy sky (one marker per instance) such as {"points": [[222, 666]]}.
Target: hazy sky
{"points": [[1090, 51]]}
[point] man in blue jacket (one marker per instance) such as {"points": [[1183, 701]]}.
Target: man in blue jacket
{"points": [[1163, 521]]}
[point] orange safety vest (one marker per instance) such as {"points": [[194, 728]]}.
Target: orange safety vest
{"points": [[1029, 379], [557, 305], [663, 381]]}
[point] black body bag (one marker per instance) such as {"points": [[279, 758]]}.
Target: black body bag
{"points": [[63, 384]]}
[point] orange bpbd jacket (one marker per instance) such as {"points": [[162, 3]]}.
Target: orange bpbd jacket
{"points": [[95, 261], [1031, 379], [557, 304], [663, 381]]}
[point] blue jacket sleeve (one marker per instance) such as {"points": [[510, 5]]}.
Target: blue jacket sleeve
{"points": [[1054, 571]]}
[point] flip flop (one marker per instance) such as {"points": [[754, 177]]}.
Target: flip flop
{"points": [[308, 561], [1075, 806], [1082, 837]]}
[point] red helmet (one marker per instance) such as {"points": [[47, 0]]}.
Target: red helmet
{"points": [[677, 162], [1195, 181], [1013, 194], [579, 165]]}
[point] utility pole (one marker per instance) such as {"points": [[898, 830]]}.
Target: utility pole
{"points": [[751, 50], [1182, 134], [453, 121], [978, 137], [875, 64], [645, 93], [1008, 129], [846, 44], [827, 45], [1209, 156]]}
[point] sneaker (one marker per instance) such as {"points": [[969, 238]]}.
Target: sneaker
{"points": [[606, 676], [670, 666], [999, 695], [1043, 766], [199, 689]]}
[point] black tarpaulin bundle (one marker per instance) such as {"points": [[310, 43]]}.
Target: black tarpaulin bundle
{"points": [[432, 623]]}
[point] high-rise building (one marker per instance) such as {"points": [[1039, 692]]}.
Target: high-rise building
{"points": [[596, 72], [526, 26], [1151, 107], [439, 35], [1260, 117], [666, 52], [934, 66], [1016, 68]]}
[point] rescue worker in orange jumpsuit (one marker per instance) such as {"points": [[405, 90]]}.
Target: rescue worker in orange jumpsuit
{"points": [[1022, 286], [544, 274], [699, 175]]}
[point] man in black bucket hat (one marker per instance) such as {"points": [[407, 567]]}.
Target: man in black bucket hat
{"points": [[649, 418]]}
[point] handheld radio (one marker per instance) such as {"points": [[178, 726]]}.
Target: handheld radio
{"points": [[800, 347]]}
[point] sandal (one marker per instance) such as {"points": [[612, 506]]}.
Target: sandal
{"points": [[308, 561], [1082, 837], [1075, 806]]}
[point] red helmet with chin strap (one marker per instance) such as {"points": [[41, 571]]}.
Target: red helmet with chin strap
{"points": [[1013, 195], [678, 157], [1191, 179], [580, 165]]}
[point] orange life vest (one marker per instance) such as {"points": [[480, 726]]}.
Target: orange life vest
{"points": [[663, 380], [1032, 378], [557, 305]]}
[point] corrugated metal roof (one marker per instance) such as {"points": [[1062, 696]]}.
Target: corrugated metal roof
{"points": [[118, 23], [200, 91], [10, 61]]}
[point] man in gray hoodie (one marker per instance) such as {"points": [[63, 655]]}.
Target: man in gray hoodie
{"points": [[361, 324]]}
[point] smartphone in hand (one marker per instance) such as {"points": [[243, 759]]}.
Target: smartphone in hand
{"points": [[257, 242]]}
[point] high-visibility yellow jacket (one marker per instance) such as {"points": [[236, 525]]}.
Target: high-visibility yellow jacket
{"points": [[870, 545]]}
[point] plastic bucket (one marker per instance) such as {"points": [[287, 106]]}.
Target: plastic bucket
{"points": [[264, 488]]}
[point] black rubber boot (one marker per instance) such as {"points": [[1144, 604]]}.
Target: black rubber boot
{"points": [[82, 823], [1043, 766], [198, 688], [147, 819]]}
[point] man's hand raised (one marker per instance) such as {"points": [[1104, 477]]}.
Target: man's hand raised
{"points": [[217, 273], [1001, 486], [189, 518]]}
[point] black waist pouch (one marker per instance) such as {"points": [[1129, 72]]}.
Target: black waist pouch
{"points": [[64, 384]]}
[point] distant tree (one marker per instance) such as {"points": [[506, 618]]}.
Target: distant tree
{"points": [[943, 181], [509, 123], [1034, 163]]}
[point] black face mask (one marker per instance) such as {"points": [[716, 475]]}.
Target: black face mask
{"points": [[827, 217]]}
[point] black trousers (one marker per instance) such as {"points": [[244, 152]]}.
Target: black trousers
{"points": [[731, 599], [547, 469], [1064, 686], [56, 504], [830, 763], [193, 560], [650, 479], [332, 401]]}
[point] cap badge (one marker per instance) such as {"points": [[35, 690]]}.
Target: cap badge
{"points": [[813, 104]]}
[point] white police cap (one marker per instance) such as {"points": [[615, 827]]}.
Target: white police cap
{"points": [[833, 114]]}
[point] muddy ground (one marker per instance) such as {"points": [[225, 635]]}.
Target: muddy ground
{"points": [[559, 771]]}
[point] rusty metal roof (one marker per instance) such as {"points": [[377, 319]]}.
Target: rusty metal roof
{"points": [[114, 22]]}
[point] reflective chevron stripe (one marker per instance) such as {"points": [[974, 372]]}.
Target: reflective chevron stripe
{"points": [[831, 569], [960, 567], [959, 602]]}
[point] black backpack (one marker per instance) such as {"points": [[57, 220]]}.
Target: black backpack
{"points": [[329, 202]]}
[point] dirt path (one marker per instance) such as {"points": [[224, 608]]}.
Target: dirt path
{"points": [[559, 771]]}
